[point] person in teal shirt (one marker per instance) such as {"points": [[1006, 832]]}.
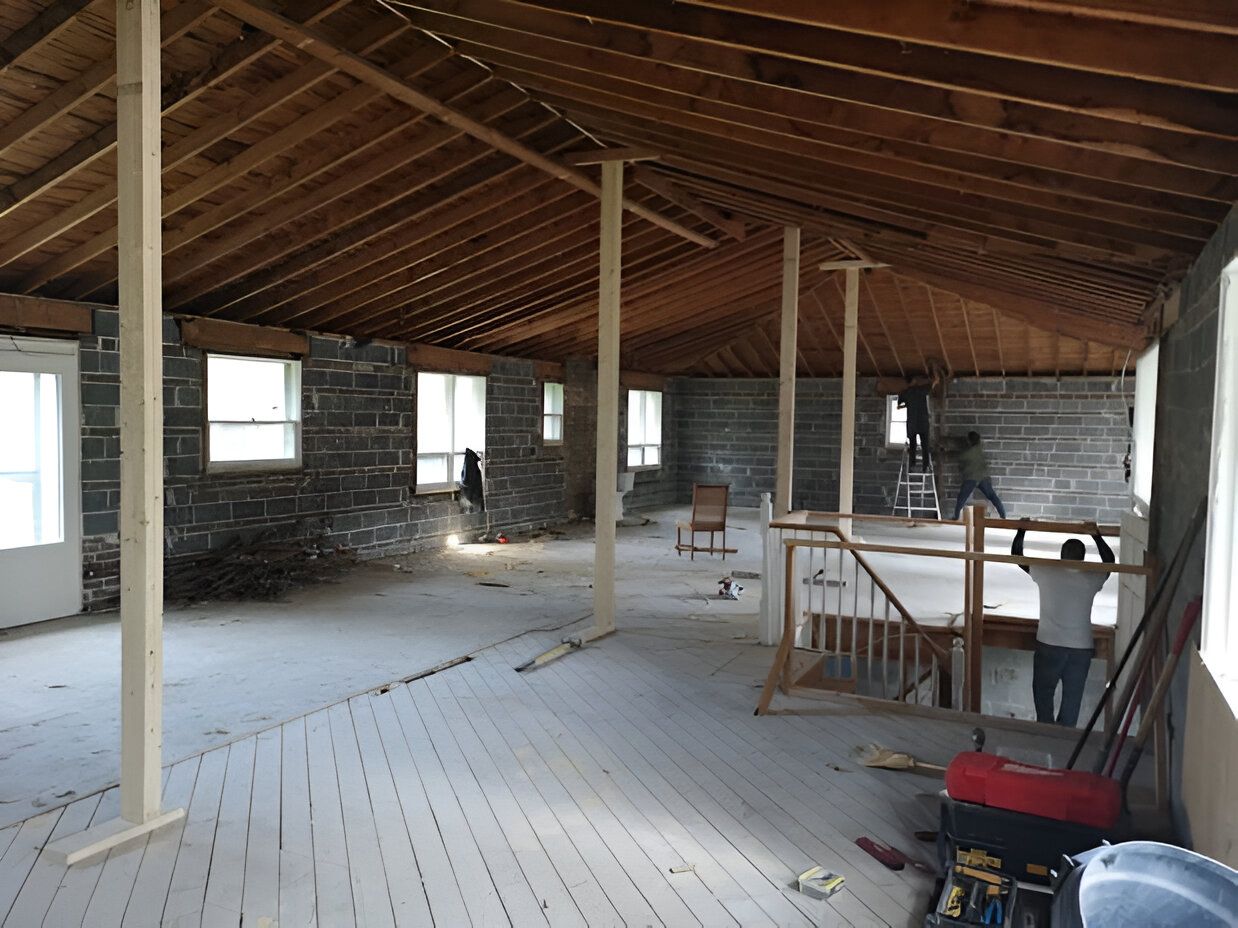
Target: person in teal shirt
{"points": [[974, 469]]}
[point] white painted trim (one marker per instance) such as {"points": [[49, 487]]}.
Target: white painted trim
{"points": [[846, 468], [1219, 648]]}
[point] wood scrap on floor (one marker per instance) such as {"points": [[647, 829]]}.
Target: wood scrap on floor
{"points": [[877, 756], [265, 568]]}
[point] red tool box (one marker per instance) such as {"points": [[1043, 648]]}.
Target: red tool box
{"points": [[1063, 795]]}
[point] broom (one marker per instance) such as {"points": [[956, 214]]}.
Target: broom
{"points": [[876, 756]]}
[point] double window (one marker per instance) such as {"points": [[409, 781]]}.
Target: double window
{"points": [[644, 428], [253, 410], [451, 416], [552, 413]]}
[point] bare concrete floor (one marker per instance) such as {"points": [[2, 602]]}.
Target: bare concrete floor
{"points": [[232, 669]]}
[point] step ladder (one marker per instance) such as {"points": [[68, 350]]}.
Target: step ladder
{"points": [[916, 494]]}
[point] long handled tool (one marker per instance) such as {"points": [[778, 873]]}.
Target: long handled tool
{"points": [[1148, 722], [1154, 615]]}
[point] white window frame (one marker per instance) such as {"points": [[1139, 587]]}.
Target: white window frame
{"points": [[292, 403], [452, 484], [1219, 647], [638, 431], [1143, 429], [895, 417], [548, 415]]}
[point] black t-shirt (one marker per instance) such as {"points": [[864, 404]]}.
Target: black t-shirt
{"points": [[916, 401]]}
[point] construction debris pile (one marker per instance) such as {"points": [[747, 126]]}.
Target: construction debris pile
{"points": [[264, 567]]}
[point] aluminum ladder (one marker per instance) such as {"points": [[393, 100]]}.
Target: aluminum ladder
{"points": [[916, 494]]}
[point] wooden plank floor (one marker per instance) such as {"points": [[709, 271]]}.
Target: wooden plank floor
{"points": [[626, 784]]}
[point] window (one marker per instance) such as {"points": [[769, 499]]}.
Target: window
{"points": [[896, 423], [1220, 618], [253, 407], [1143, 428], [30, 478], [451, 416], [552, 413], [644, 428]]}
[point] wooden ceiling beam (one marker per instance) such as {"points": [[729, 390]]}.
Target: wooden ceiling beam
{"points": [[423, 255], [341, 107], [1170, 234], [635, 86], [238, 54], [1113, 46], [1121, 205], [1095, 94], [315, 44], [487, 258], [1046, 316], [621, 47], [42, 27], [95, 79], [1202, 15], [666, 189], [602, 155], [975, 217], [243, 283]]}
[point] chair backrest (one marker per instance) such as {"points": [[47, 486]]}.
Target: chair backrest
{"points": [[709, 506]]}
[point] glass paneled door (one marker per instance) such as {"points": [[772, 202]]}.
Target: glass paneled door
{"points": [[40, 488]]}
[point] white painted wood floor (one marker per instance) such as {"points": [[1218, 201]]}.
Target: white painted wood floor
{"points": [[573, 795]]}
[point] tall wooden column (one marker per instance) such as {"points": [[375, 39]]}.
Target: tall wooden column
{"points": [[608, 398], [141, 435], [786, 368], [846, 468]]}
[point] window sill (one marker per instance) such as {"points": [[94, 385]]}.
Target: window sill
{"points": [[223, 468], [639, 468], [437, 489], [547, 443], [1226, 682]]}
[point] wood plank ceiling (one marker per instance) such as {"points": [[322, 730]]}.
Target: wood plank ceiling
{"points": [[1035, 172]]}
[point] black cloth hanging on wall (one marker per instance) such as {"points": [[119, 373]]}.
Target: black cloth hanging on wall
{"points": [[472, 494]]}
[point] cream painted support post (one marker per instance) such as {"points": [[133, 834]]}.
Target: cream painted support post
{"points": [[141, 436], [607, 399], [786, 368], [846, 469]]}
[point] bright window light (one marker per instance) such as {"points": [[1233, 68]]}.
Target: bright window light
{"points": [[254, 410], [30, 454], [1144, 427], [896, 423], [552, 413], [1220, 617], [451, 417], [644, 428]]}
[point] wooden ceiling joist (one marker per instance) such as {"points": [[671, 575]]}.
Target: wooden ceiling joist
{"points": [[1102, 96], [1107, 46], [664, 187], [46, 25], [313, 43]]}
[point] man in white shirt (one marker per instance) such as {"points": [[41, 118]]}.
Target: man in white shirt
{"points": [[1064, 644]]}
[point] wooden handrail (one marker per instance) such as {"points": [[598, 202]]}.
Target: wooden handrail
{"points": [[856, 546], [1032, 525]]}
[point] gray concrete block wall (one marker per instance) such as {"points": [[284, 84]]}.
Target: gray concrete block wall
{"points": [[357, 458], [1055, 448], [1186, 381]]}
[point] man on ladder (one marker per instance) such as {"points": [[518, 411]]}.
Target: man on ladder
{"points": [[914, 399]]}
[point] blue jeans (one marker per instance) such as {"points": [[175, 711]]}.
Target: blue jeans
{"points": [[986, 487], [1051, 664]]}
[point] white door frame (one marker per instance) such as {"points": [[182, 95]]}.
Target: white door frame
{"points": [[45, 581]]}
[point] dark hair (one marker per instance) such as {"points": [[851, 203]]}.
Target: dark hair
{"points": [[1073, 550], [973, 438]]}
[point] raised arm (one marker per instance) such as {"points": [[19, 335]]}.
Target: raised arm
{"points": [[1016, 548], [1106, 553]]}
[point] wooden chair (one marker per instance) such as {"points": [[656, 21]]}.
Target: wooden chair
{"points": [[709, 503]]}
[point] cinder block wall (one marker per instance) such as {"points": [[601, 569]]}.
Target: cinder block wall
{"points": [[1204, 776], [1055, 448], [357, 457]]}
